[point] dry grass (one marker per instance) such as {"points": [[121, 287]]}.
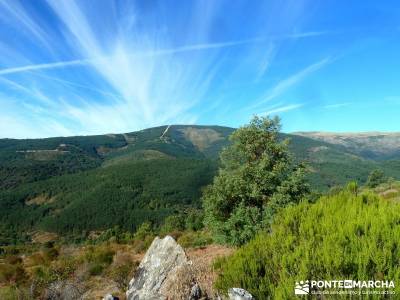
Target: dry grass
{"points": [[42, 237], [203, 259], [389, 191], [179, 283], [114, 279], [201, 138], [100, 286], [40, 200]]}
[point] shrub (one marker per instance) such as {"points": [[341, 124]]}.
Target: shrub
{"points": [[12, 274], [144, 230], [100, 255], [375, 178], [36, 259], [194, 220], [64, 267], [43, 275], [352, 187], [122, 270], [51, 253], [173, 223], [13, 292], [344, 236], [13, 259], [98, 258], [191, 239], [143, 245], [121, 274], [96, 269]]}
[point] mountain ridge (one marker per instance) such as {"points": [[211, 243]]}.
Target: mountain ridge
{"points": [[373, 145], [83, 183]]}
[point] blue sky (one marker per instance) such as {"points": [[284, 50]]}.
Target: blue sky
{"points": [[92, 67]]}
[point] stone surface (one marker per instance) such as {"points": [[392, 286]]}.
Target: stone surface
{"points": [[179, 283], [162, 259], [195, 292], [239, 294], [110, 297]]}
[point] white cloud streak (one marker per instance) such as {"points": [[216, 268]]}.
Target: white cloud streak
{"points": [[282, 86], [283, 109], [337, 105], [188, 48], [37, 67]]}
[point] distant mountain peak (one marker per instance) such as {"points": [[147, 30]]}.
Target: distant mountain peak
{"points": [[350, 133], [377, 145]]}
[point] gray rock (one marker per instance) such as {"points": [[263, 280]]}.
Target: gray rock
{"points": [[160, 260], [239, 294], [195, 292], [110, 297]]}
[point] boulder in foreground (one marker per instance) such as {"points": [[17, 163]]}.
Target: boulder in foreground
{"points": [[162, 259]]}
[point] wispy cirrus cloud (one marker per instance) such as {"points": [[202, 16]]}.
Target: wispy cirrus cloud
{"points": [[337, 105], [188, 48], [33, 31], [282, 86], [37, 67], [282, 109], [110, 69]]}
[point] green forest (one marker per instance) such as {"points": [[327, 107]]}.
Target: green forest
{"points": [[126, 195], [74, 185]]}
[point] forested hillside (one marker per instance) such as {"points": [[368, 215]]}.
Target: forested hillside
{"points": [[74, 185]]}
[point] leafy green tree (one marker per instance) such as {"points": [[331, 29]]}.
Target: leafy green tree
{"points": [[375, 178], [257, 177]]}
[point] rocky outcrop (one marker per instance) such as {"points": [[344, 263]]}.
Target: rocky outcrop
{"points": [[239, 294], [166, 273], [161, 260]]}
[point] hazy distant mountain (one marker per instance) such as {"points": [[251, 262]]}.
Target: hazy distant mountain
{"points": [[375, 145]]}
